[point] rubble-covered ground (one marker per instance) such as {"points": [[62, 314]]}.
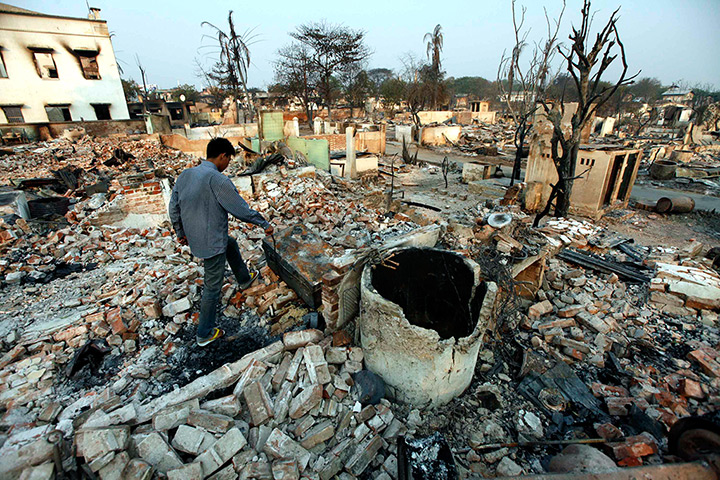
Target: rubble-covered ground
{"points": [[98, 324]]}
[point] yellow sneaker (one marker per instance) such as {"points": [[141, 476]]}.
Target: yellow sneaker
{"points": [[215, 334]]}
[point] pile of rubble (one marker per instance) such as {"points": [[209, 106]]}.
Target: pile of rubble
{"points": [[289, 409], [615, 343]]}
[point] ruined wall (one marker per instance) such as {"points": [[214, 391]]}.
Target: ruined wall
{"points": [[438, 116], [589, 192], [485, 117], [436, 135], [373, 142], [98, 128], [141, 202], [192, 147]]}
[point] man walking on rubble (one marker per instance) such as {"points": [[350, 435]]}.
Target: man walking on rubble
{"points": [[199, 207]]}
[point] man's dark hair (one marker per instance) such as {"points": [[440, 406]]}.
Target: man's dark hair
{"points": [[218, 146]]}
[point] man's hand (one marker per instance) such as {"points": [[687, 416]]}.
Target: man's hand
{"points": [[269, 230], [182, 240]]}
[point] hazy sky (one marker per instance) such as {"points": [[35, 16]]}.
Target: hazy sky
{"points": [[668, 39]]}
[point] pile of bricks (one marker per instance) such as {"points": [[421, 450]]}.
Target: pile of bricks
{"points": [[291, 410]]}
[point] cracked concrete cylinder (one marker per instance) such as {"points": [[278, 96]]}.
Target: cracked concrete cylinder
{"points": [[423, 312]]}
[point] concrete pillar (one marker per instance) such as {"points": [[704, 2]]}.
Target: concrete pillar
{"points": [[296, 127], [350, 165], [326, 127], [317, 126]]}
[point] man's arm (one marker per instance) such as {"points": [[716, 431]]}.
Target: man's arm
{"points": [[174, 212], [229, 198]]}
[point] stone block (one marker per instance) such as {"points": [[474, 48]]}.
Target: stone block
{"points": [[192, 440], [155, 450], [223, 450], [228, 405], [174, 416], [178, 306], [295, 340], [318, 434], [255, 370], [92, 444], [285, 470], [364, 454], [115, 469], [258, 403], [136, 469], [228, 473], [540, 309], [212, 422], [316, 364], [336, 355], [305, 401], [46, 471], [281, 446], [191, 471]]}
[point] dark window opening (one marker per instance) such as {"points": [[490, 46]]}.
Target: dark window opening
{"points": [[176, 113], [3, 70], [89, 64], [58, 113], [13, 114], [102, 111], [45, 64]]}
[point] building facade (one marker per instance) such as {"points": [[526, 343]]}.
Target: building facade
{"points": [[57, 69]]}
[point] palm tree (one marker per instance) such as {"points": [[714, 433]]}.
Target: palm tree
{"points": [[234, 60], [434, 42]]}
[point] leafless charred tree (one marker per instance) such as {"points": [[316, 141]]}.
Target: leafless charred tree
{"points": [[523, 85], [231, 70], [586, 63], [640, 120], [144, 83], [216, 94], [416, 92], [295, 76], [333, 49]]}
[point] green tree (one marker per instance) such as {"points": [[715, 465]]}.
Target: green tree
{"points": [[333, 49], [296, 77], [646, 89], [130, 89], [392, 92], [356, 87], [190, 92], [378, 76]]}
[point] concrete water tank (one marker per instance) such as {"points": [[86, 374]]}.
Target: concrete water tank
{"points": [[423, 313]]}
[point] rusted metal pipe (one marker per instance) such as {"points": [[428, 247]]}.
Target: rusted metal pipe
{"points": [[675, 205], [701, 470]]}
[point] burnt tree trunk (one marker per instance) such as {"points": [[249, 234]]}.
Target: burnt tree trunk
{"points": [[566, 177], [520, 135]]}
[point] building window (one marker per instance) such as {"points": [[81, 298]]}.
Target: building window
{"points": [[176, 113], [58, 113], [13, 114], [3, 70], [45, 63], [89, 64], [102, 111]]}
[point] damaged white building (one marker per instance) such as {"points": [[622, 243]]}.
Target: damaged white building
{"points": [[57, 69]]}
